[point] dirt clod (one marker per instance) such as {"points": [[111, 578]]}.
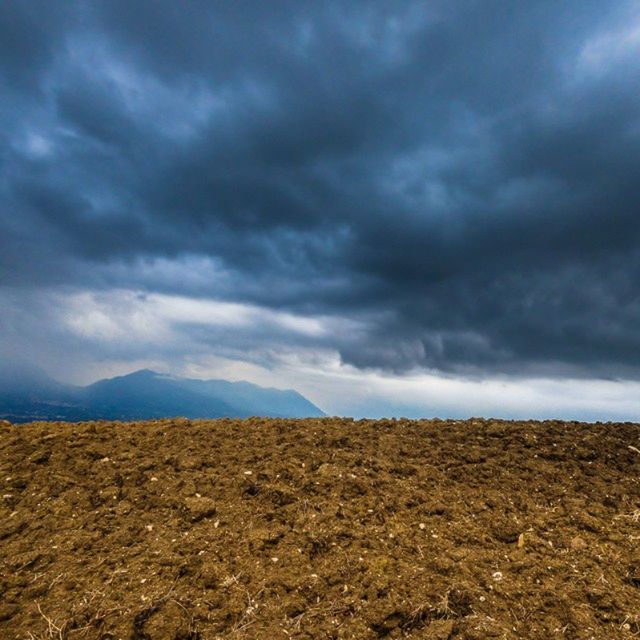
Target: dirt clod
{"points": [[578, 543], [7, 611], [200, 508]]}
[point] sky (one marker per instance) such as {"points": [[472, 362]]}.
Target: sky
{"points": [[397, 208]]}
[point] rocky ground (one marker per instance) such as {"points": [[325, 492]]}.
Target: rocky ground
{"points": [[323, 528]]}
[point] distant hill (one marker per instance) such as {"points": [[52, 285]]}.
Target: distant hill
{"points": [[28, 395]]}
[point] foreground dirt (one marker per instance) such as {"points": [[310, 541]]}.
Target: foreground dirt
{"points": [[195, 530]]}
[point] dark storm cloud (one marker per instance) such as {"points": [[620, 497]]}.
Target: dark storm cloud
{"points": [[460, 178]]}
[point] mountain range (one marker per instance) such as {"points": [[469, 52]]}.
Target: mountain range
{"points": [[27, 395]]}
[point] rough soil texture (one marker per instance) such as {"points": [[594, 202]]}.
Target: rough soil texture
{"points": [[327, 528]]}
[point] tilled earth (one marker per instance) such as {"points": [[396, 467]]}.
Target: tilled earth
{"points": [[327, 528]]}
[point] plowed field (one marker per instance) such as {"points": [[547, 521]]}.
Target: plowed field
{"points": [[327, 528]]}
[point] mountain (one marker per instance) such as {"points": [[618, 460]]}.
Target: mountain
{"points": [[27, 395]]}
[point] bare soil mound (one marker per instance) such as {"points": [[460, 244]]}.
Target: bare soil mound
{"points": [[323, 528]]}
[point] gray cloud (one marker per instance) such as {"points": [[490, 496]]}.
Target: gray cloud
{"points": [[459, 180]]}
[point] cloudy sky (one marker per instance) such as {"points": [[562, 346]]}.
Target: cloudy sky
{"points": [[416, 208]]}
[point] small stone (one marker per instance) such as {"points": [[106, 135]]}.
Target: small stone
{"points": [[497, 576], [422, 526], [521, 541]]}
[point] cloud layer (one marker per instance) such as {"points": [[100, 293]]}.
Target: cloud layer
{"points": [[448, 187]]}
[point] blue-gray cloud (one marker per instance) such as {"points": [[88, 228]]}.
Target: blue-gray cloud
{"points": [[458, 178]]}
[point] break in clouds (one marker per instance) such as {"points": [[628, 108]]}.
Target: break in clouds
{"points": [[385, 188]]}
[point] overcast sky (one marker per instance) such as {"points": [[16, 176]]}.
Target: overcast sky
{"points": [[408, 208]]}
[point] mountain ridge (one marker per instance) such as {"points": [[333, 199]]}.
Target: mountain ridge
{"points": [[145, 394]]}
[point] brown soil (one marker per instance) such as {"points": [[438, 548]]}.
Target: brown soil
{"points": [[196, 530]]}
